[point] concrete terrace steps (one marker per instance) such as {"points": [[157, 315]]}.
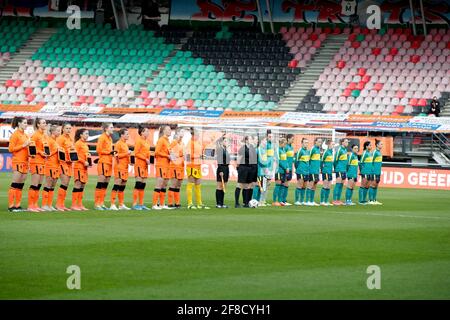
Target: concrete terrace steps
{"points": [[313, 70], [37, 39]]}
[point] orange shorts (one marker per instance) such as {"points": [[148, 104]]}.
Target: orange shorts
{"points": [[176, 173], [104, 169], [162, 172], [66, 168], [121, 173], [141, 171], [52, 172], [80, 175], [36, 168], [20, 167]]}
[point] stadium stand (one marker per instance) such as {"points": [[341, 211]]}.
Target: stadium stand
{"points": [[381, 74]]}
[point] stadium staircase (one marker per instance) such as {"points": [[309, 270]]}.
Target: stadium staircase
{"points": [[37, 39], [445, 112], [304, 83]]}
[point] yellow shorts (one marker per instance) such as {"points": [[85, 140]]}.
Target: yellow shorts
{"points": [[194, 172], [52, 172]]}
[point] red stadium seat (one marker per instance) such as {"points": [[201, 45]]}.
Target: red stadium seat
{"points": [[361, 72], [60, 84], [399, 109], [422, 103], [356, 44], [376, 51], [347, 93], [28, 91], [50, 77], [340, 64], [313, 37], [414, 58], [293, 63], [393, 51], [413, 102], [360, 85], [9, 83], [351, 85], [366, 78], [17, 83], [352, 37], [378, 86]]}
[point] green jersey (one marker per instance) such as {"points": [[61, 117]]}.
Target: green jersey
{"points": [[282, 160], [377, 162], [262, 161], [366, 164], [270, 155], [290, 155], [352, 168], [314, 160], [340, 160], [302, 161], [327, 162]]}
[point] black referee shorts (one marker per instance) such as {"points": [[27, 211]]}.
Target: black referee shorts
{"points": [[226, 173], [247, 174]]}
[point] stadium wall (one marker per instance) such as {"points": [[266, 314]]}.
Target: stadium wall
{"points": [[301, 11]]}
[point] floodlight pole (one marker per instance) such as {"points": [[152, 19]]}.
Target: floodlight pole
{"points": [[115, 14], [423, 18], [124, 11], [261, 21], [411, 8], [270, 16]]}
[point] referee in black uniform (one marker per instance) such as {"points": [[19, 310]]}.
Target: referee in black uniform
{"points": [[223, 171], [247, 172]]}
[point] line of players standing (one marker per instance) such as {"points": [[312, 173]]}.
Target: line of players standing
{"points": [[259, 163]]}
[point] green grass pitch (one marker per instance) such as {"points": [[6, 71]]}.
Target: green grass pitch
{"points": [[264, 253]]}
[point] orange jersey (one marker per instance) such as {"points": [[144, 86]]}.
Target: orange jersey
{"points": [[194, 154], [39, 138], [104, 149], [65, 142], [82, 150], [123, 155], [16, 142], [162, 154], [176, 151], [52, 160], [141, 152]]}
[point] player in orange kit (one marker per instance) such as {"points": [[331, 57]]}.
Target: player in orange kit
{"points": [[120, 170], [176, 170], [65, 143], [51, 168], [37, 164], [80, 167], [142, 160], [105, 165], [18, 147], [194, 153], [162, 162]]}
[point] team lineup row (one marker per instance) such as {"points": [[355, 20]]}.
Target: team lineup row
{"points": [[51, 154]]}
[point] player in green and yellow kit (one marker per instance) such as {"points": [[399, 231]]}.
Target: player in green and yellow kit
{"points": [[327, 173], [290, 164], [314, 172], [301, 163], [340, 168], [280, 176], [377, 164], [352, 175], [366, 171]]}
